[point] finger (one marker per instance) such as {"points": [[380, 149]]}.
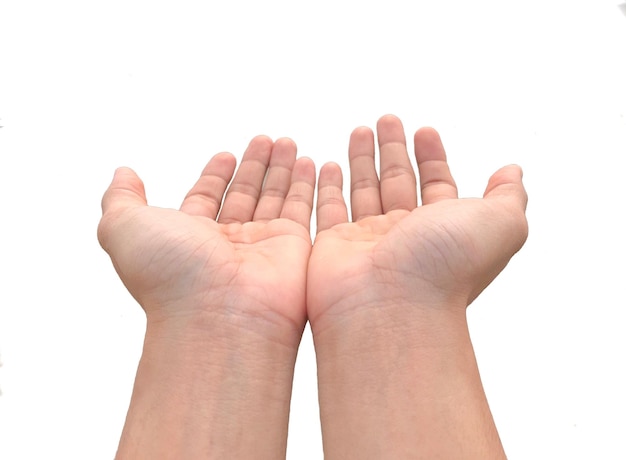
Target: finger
{"points": [[278, 180], [506, 183], [125, 192], [397, 178], [364, 183], [331, 207], [436, 181], [298, 205], [506, 187], [243, 193], [205, 197]]}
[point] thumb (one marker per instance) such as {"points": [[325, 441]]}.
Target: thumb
{"points": [[507, 183], [505, 187], [125, 192]]}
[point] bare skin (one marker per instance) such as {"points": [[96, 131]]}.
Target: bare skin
{"points": [[227, 288], [223, 288], [387, 294]]}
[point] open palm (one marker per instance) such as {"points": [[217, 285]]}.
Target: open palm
{"points": [[393, 251], [244, 259]]}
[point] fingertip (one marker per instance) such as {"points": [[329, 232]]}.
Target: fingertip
{"points": [[261, 139], [427, 129], [304, 171], [129, 178], [223, 160], [388, 119], [507, 182], [123, 171], [427, 137], [331, 166], [126, 188], [123, 176], [427, 132], [224, 156], [260, 146], [284, 152], [361, 132], [390, 130], [306, 165], [428, 145], [330, 172], [519, 169], [361, 144], [307, 160], [286, 142], [509, 173]]}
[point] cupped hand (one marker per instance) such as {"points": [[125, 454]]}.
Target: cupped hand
{"points": [[241, 257], [443, 252]]}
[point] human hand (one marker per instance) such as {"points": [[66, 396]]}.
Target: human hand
{"points": [[442, 253], [223, 288], [250, 262], [387, 294]]}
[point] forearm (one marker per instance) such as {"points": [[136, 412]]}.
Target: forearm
{"points": [[219, 392], [405, 389]]}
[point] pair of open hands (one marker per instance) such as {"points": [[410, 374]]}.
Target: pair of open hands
{"points": [[241, 247]]}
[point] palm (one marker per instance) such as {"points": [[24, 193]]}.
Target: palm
{"points": [[345, 252], [407, 252], [250, 261], [270, 262], [396, 250], [173, 258]]}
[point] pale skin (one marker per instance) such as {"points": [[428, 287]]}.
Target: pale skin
{"points": [[227, 289], [397, 374], [223, 289]]}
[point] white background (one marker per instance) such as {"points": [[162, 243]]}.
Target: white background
{"points": [[161, 86]]}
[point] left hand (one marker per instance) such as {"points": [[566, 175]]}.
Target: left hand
{"points": [[442, 253]]}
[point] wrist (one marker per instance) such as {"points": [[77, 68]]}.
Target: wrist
{"points": [[431, 321], [403, 377], [208, 346], [220, 388], [223, 320]]}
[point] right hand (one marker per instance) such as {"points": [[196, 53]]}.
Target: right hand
{"points": [[243, 260]]}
